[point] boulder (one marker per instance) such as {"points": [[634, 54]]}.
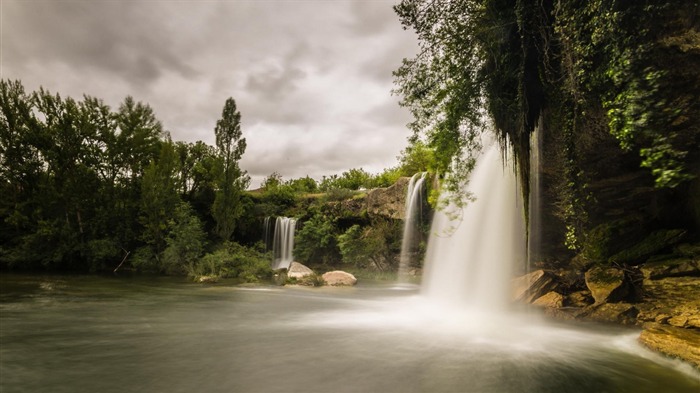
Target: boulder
{"points": [[606, 284], [297, 270], [531, 286], [672, 341], [339, 278], [671, 268], [207, 279], [623, 313], [580, 299], [550, 300]]}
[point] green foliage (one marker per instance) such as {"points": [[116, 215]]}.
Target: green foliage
{"points": [[185, 242], [417, 157], [158, 198], [367, 246], [230, 180], [233, 260], [315, 241]]}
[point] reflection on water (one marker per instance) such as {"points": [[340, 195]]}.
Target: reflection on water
{"points": [[91, 334]]}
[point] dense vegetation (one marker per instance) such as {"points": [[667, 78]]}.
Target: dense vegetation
{"points": [[88, 188], [612, 86]]}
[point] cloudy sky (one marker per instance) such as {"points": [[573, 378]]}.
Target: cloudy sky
{"points": [[312, 78]]}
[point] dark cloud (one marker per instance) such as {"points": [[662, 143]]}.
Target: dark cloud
{"points": [[312, 78]]}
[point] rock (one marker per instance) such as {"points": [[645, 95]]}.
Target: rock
{"points": [[339, 278], [688, 249], [550, 300], [297, 270], [606, 284], [671, 268], [531, 286], [207, 279], [652, 244], [675, 342], [673, 300], [623, 313], [580, 299], [388, 202]]}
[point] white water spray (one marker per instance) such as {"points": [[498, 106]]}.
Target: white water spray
{"points": [[412, 215], [283, 243], [468, 260]]}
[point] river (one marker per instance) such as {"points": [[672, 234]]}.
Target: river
{"points": [[159, 334]]}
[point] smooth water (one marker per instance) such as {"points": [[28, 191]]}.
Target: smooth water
{"points": [[109, 334]]}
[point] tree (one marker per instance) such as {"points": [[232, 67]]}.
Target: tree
{"points": [[231, 181], [359, 245], [185, 240], [158, 198]]}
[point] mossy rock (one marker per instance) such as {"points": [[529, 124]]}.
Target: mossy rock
{"points": [[676, 267], [688, 250], [606, 284], [652, 244], [609, 238]]}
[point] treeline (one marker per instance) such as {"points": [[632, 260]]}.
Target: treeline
{"points": [[85, 187]]}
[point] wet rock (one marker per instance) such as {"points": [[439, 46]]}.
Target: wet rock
{"points": [[297, 270], [606, 284], [550, 300], [671, 268], [339, 278], [675, 342], [623, 313], [531, 286], [673, 300], [580, 299], [207, 279]]}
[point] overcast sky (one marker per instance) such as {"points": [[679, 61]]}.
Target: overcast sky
{"points": [[312, 78]]}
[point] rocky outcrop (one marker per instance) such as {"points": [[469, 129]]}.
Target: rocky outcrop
{"points": [[672, 300], [297, 270], [531, 286], [388, 202], [339, 278], [672, 341], [674, 267], [606, 284]]}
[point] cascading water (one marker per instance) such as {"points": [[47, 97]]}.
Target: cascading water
{"points": [[412, 215], [468, 260], [534, 234], [283, 242]]}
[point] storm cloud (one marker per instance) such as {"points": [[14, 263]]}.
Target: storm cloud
{"points": [[312, 78]]}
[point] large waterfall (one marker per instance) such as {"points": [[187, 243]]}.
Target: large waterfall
{"points": [[471, 250], [412, 215]]}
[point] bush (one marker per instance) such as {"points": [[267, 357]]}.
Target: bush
{"points": [[233, 260]]}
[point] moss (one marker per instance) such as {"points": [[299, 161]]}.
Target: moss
{"points": [[652, 244]]}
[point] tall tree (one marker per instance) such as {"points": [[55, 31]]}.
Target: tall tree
{"points": [[231, 181]]}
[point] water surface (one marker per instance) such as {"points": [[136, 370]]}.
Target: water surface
{"points": [[111, 334]]}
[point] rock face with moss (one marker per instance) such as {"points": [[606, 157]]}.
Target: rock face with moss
{"points": [[387, 202]]}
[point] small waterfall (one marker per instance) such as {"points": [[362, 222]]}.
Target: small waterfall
{"points": [[283, 243], [268, 229], [534, 229], [468, 260], [412, 215]]}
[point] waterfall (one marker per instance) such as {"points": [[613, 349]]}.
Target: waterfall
{"points": [[412, 215], [283, 242], [534, 230], [468, 260]]}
